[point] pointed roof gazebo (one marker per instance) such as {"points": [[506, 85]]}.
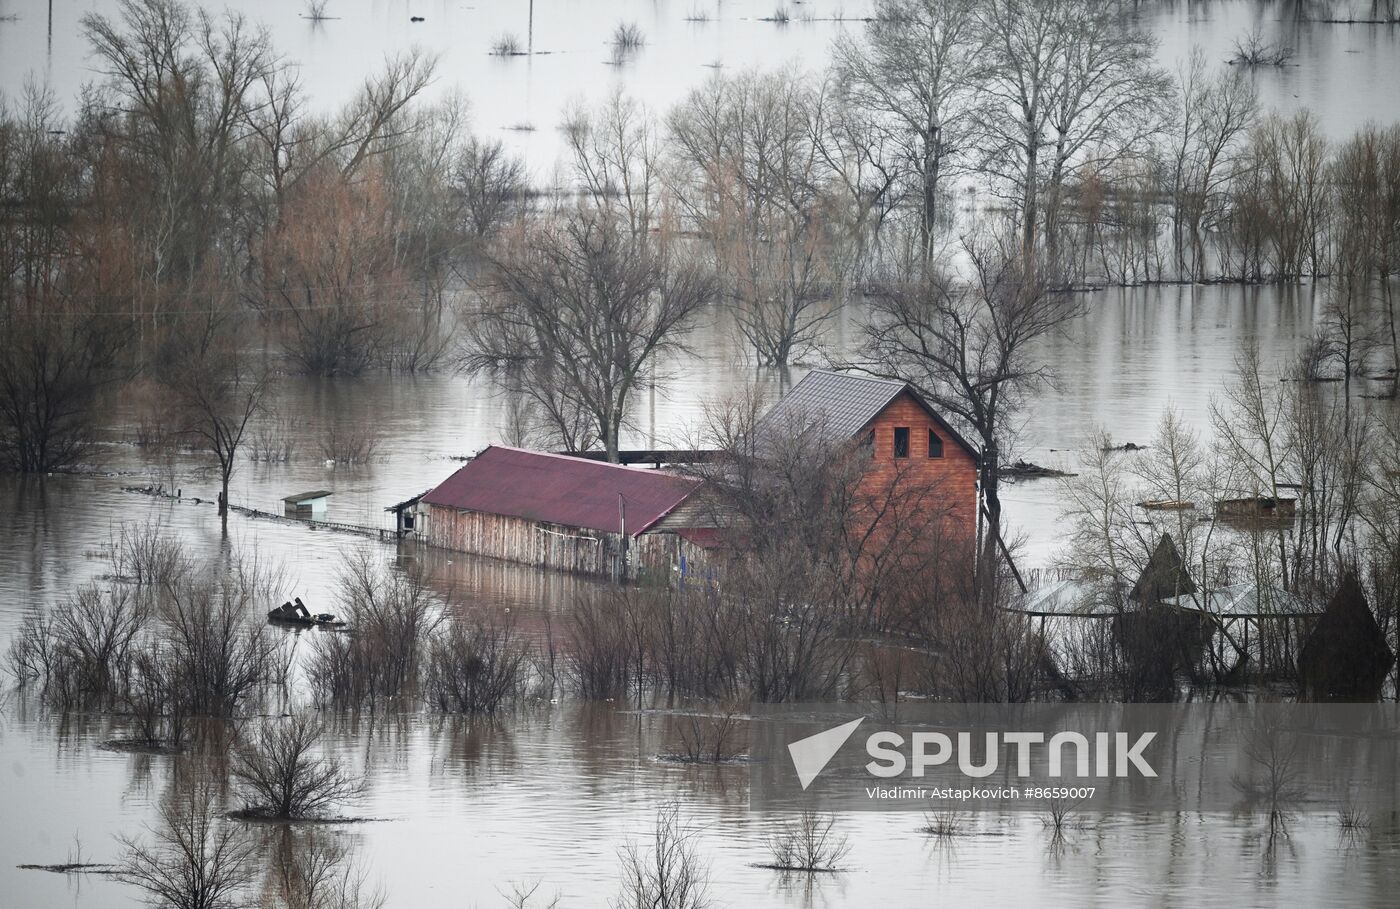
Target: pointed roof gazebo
{"points": [[1165, 575], [1346, 657]]}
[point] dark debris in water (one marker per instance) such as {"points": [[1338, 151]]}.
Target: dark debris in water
{"points": [[253, 816], [138, 746], [73, 868], [1025, 470], [690, 760]]}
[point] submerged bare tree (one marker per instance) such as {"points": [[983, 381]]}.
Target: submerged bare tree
{"points": [[1214, 116], [393, 618], [969, 348], [216, 386], [1366, 174], [171, 118], [329, 269], [490, 183], [914, 73], [579, 313], [59, 347], [754, 179], [313, 870], [810, 843], [668, 873], [193, 858], [215, 646], [281, 774], [1066, 82]]}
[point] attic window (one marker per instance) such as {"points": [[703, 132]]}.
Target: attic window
{"points": [[935, 445], [901, 442]]}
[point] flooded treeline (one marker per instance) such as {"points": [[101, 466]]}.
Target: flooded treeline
{"points": [[1253, 523], [197, 223]]}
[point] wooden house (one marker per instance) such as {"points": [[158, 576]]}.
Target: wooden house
{"points": [[560, 512]]}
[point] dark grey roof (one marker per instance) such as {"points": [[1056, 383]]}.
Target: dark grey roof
{"points": [[307, 496], [843, 403]]}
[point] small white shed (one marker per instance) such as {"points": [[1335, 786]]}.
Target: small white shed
{"points": [[306, 504]]}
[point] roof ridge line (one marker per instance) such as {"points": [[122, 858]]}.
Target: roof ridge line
{"points": [[860, 378], [576, 459]]}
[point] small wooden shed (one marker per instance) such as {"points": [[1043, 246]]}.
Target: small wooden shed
{"points": [[1258, 508], [306, 504]]}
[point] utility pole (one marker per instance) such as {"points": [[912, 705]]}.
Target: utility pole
{"points": [[622, 530]]}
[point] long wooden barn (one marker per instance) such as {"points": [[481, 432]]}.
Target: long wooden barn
{"points": [[560, 512]]}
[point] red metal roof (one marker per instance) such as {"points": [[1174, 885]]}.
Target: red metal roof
{"points": [[559, 489]]}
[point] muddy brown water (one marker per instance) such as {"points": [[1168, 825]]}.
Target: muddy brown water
{"points": [[550, 795]]}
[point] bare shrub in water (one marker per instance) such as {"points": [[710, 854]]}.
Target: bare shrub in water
{"points": [[506, 45], [476, 667], [274, 440], [1252, 50], [710, 738], [155, 703], [808, 843], [32, 653], [280, 775], [337, 669], [310, 870], [1057, 818], [627, 37], [147, 556], [382, 653], [666, 874], [217, 645], [192, 858], [691, 648], [944, 823], [84, 651], [348, 443], [607, 642]]}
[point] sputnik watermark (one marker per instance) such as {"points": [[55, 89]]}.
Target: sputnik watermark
{"points": [[811, 754], [1111, 754], [1096, 756], [1114, 754]]}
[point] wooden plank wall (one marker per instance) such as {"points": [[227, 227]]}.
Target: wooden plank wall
{"points": [[554, 546]]}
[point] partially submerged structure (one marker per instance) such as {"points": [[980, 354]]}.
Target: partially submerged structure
{"points": [[908, 441], [1345, 657], [1165, 621], [561, 512], [1158, 640], [579, 514], [306, 504], [1257, 508]]}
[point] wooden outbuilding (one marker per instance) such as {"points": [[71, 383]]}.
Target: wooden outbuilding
{"points": [[560, 512], [306, 504]]}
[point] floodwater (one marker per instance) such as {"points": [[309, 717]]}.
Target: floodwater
{"points": [[1339, 72], [551, 795]]}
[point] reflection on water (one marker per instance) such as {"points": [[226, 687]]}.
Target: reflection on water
{"points": [[462, 809], [1344, 74]]}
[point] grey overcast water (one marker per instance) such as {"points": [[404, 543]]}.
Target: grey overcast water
{"points": [[552, 794]]}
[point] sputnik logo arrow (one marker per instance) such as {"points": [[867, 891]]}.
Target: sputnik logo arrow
{"points": [[811, 755]]}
